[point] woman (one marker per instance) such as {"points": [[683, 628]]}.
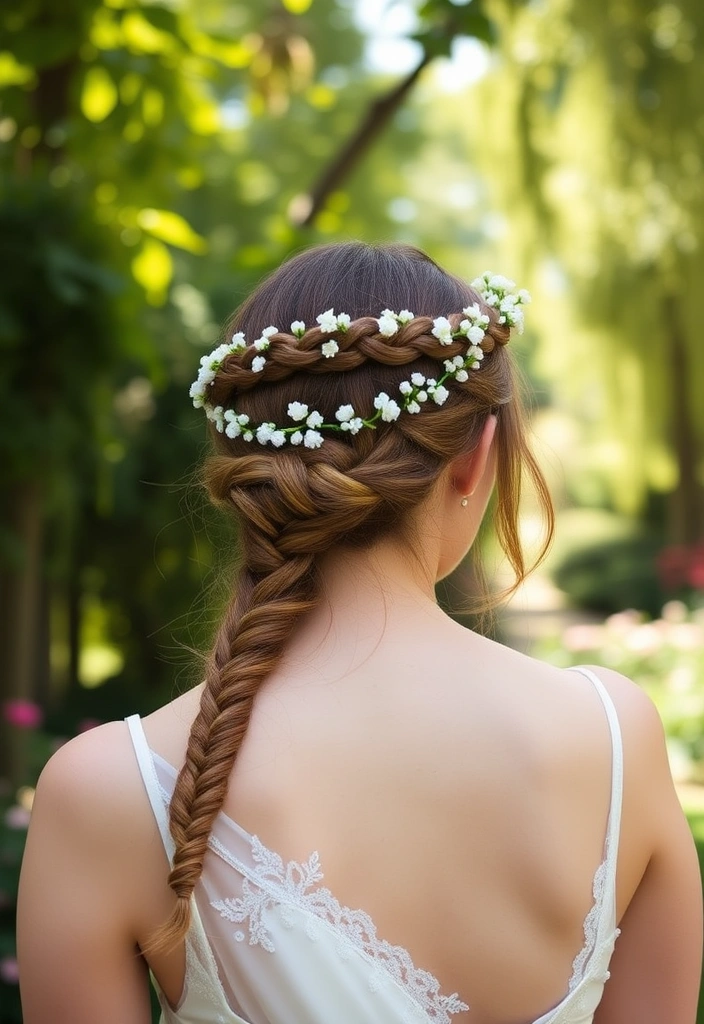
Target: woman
{"points": [[494, 817]]}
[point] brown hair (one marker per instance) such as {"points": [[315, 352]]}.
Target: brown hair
{"points": [[294, 503]]}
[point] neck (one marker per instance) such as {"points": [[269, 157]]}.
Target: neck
{"points": [[385, 592]]}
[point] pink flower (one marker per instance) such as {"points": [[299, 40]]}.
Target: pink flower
{"points": [[17, 817], [9, 970], [23, 713]]}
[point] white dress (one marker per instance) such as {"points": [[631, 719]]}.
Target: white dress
{"points": [[268, 944]]}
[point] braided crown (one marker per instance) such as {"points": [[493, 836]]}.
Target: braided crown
{"points": [[337, 343]]}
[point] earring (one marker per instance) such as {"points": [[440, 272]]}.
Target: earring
{"points": [[464, 502]]}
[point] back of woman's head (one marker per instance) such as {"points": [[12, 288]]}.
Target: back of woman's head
{"points": [[331, 430]]}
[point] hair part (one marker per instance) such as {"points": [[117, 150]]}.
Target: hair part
{"points": [[295, 504]]}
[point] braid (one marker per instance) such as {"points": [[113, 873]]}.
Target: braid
{"points": [[293, 505]]}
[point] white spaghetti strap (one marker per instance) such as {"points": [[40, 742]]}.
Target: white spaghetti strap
{"points": [[150, 780], [614, 826]]}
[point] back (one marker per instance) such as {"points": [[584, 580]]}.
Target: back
{"points": [[467, 818]]}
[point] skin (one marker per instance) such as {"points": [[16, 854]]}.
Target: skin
{"points": [[387, 734]]}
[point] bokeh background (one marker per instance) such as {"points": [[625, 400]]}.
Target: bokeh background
{"points": [[158, 157]]}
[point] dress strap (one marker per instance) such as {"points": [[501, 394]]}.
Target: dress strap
{"points": [[150, 780], [614, 826]]}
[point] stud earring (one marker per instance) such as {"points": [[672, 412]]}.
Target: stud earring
{"points": [[464, 502]]}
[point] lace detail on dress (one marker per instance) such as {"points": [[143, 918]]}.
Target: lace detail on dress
{"points": [[591, 923], [272, 882]]}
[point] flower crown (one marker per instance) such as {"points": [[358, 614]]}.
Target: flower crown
{"points": [[494, 290]]}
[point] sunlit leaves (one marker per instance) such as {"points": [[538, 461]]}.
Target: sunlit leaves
{"points": [[99, 95], [153, 268], [14, 73], [172, 228]]}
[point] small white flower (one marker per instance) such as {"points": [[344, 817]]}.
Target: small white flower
{"points": [[298, 328], [344, 413], [312, 439], [243, 419], [390, 411], [417, 379], [354, 426], [268, 331], [218, 418], [501, 284], [296, 437], [405, 387], [476, 334], [262, 344], [264, 432], [237, 343], [422, 396], [278, 438], [413, 407], [233, 429], [442, 330], [381, 400], [330, 349], [297, 410], [405, 316], [388, 323], [524, 297], [343, 321], [327, 321], [314, 420], [431, 382], [476, 352], [258, 364], [248, 435], [461, 376], [440, 395]]}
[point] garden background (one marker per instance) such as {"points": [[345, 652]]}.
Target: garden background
{"points": [[158, 157]]}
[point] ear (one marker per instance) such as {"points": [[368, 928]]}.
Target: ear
{"points": [[466, 471]]}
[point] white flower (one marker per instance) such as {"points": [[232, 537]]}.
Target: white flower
{"points": [[330, 349], [476, 352], [475, 315], [354, 426], [417, 379], [243, 419], [344, 413], [296, 437], [277, 438], [440, 395], [312, 439], [405, 387], [442, 330], [422, 396], [343, 321], [265, 431], [327, 321], [476, 334], [390, 411], [381, 399], [248, 435], [218, 418], [314, 420], [524, 297], [297, 410], [461, 376], [262, 344], [237, 343], [258, 364], [413, 407], [233, 429], [405, 316], [268, 331], [388, 324], [298, 328], [498, 283]]}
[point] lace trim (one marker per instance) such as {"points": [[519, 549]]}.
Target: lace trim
{"points": [[592, 921], [273, 882]]}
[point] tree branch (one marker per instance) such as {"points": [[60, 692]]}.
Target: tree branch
{"points": [[378, 115]]}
